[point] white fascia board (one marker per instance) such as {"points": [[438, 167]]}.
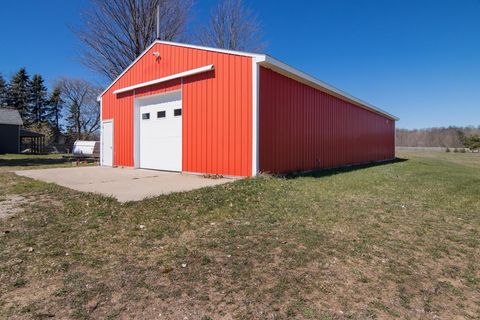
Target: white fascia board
{"points": [[193, 46], [312, 81], [167, 78]]}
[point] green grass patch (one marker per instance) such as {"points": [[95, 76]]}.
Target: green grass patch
{"points": [[395, 240]]}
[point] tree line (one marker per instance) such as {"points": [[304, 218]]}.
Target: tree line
{"points": [[69, 110], [114, 33], [450, 137]]}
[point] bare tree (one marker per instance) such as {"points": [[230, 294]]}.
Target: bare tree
{"points": [[116, 32], [232, 26], [452, 137], [83, 114]]}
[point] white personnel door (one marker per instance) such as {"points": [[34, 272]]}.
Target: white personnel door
{"points": [[107, 143], [161, 132]]}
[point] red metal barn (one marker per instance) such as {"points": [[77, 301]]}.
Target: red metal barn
{"points": [[194, 109]]}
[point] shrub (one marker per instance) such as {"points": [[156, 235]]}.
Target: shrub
{"points": [[447, 150], [473, 142], [455, 150]]}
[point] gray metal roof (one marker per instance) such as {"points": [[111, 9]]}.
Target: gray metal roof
{"points": [[10, 116]]}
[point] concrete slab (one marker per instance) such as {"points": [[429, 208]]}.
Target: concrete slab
{"points": [[123, 184]]}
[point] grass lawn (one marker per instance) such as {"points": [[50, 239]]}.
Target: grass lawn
{"points": [[10, 162], [399, 240]]}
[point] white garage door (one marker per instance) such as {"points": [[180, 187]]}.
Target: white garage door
{"points": [[161, 132]]}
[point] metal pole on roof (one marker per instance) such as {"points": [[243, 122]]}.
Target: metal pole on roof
{"points": [[158, 22]]}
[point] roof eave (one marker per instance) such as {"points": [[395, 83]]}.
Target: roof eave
{"points": [[298, 75], [274, 64], [10, 116]]}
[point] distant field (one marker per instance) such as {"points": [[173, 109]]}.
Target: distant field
{"points": [[398, 240]]}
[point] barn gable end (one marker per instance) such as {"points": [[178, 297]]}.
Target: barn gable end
{"points": [[217, 107]]}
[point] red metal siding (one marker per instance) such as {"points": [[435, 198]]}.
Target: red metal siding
{"points": [[302, 128], [217, 108]]}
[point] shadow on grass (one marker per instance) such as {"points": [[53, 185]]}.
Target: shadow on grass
{"points": [[330, 172], [27, 162]]}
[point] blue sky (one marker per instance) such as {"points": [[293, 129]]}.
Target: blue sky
{"points": [[417, 59]]}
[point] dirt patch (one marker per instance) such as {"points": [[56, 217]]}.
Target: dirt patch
{"points": [[31, 297], [11, 205], [399, 241]]}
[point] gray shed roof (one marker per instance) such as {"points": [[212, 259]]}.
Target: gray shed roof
{"points": [[10, 116], [30, 134]]}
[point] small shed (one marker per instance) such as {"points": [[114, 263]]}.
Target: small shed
{"points": [[86, 149], [32, 141], [10, 126]]}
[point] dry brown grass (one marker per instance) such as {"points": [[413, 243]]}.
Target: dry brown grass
{"points": [[400, 240]]}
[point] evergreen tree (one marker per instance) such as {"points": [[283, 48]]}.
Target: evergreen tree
{"points": [[19, 92], [3, 92], [461, 136], [55, 105], [74, 124], [473, 142], [38, 108]]}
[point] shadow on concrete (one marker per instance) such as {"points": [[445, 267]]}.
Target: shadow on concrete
{"points": [[330, 172]]}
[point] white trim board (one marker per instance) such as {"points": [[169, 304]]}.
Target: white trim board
{"points": [[101, 132], [234, 52], [255, 116], [168, 78]]}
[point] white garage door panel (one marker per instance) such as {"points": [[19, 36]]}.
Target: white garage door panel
{"points": [[161, 137]]}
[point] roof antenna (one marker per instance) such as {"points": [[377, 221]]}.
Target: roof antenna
{"points": [[156, 54], [158, 22]]}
